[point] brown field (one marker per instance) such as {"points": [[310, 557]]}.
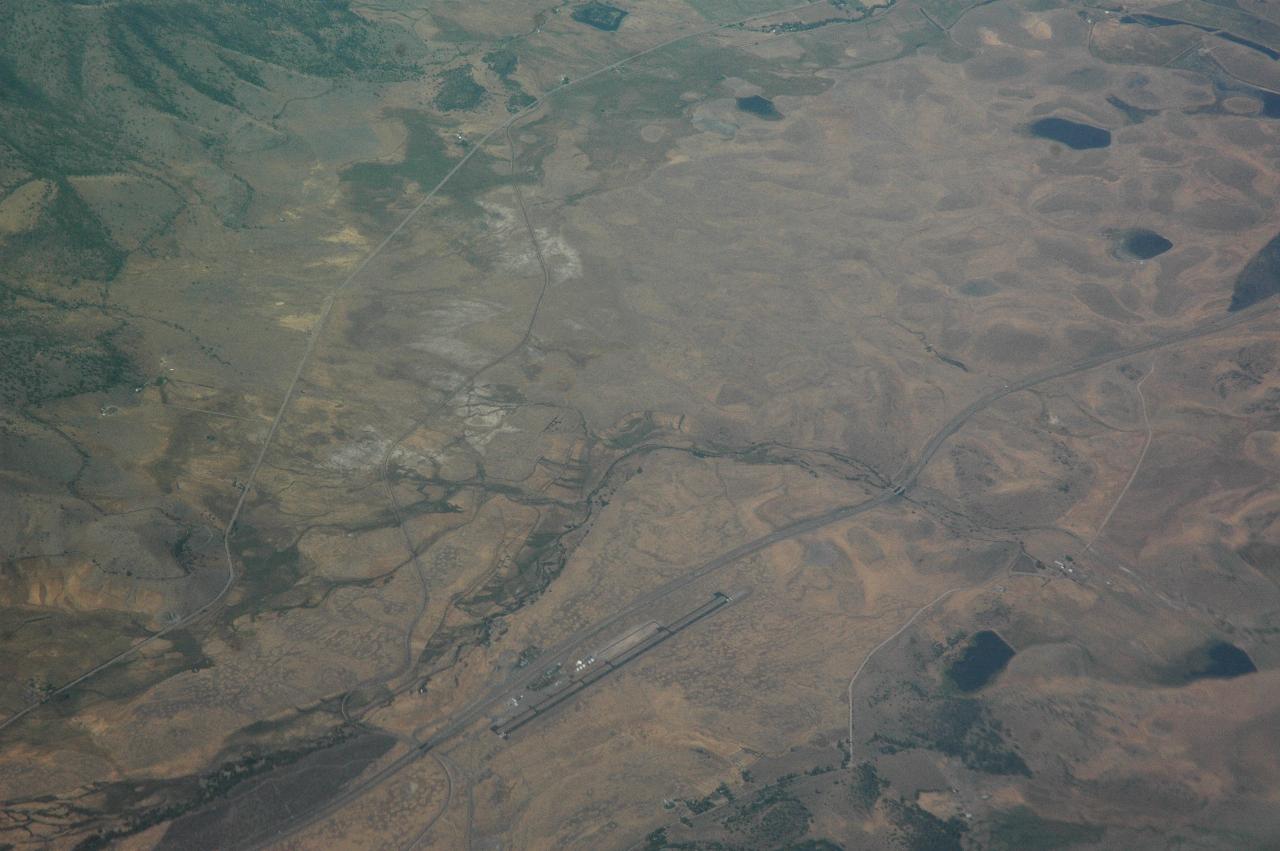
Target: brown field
{"points": [[360, 379]]}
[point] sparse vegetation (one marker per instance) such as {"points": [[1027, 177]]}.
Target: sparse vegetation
{"points": [[458, 90], [455, 398], [189, 794], [962, 728], [602, 16], [920, 830], [866, 786], [46, 355], [502, 61], [1022, 829]]}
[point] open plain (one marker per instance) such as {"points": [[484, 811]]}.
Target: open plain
{"points": [[370, 372]]}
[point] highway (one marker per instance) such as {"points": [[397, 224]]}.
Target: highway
{"points": [[460, 721], [322, 322], [449, 728], [1137, 465], [603, 667]]}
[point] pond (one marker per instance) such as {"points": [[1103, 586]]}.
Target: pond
{"points": [[1259, 279], [1222, 661], [1141, 244], [760, 107], [984, 658], [1074, 134]]}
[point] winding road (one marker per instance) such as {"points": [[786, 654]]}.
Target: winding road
{"points": [[322, 320], [447, 729], [460, 721]]}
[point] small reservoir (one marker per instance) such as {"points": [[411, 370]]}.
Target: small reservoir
{"points": [[760, 107], [1141, 244], [1219, 661], [1074, 134], [986, 656], [1259, 279]]}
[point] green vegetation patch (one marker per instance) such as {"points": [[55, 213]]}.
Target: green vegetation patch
{"points": [[772, 818], [633, 432], [68, 243], [502, 61], [866, 786], [458, 90], [613, 108], [42, 362], [1021, 829], [56, 639], [221, 806], [520, 101], [775, 825], [448, 644], [151, 40], [961, 728], [266, 571], [375, 188], [169, 51], [964, 729], [919, 830], [45, 355], [721, 794], [121, 682], [539, 561], [602, 16], [657, 841], [76, 80], [324, 38]]}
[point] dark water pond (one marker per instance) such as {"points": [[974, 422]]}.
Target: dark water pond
{"points": [[1270, 100], [1135, 114], [1227, 87], [1270, 103], [1141, 244], [1156, 21], [1074, 134], [760, 107], [1218, 661], [1259, 279], [986, 656], [1252, 45]]}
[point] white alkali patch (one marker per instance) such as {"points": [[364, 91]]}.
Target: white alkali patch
{"points": [[516, 252]]}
